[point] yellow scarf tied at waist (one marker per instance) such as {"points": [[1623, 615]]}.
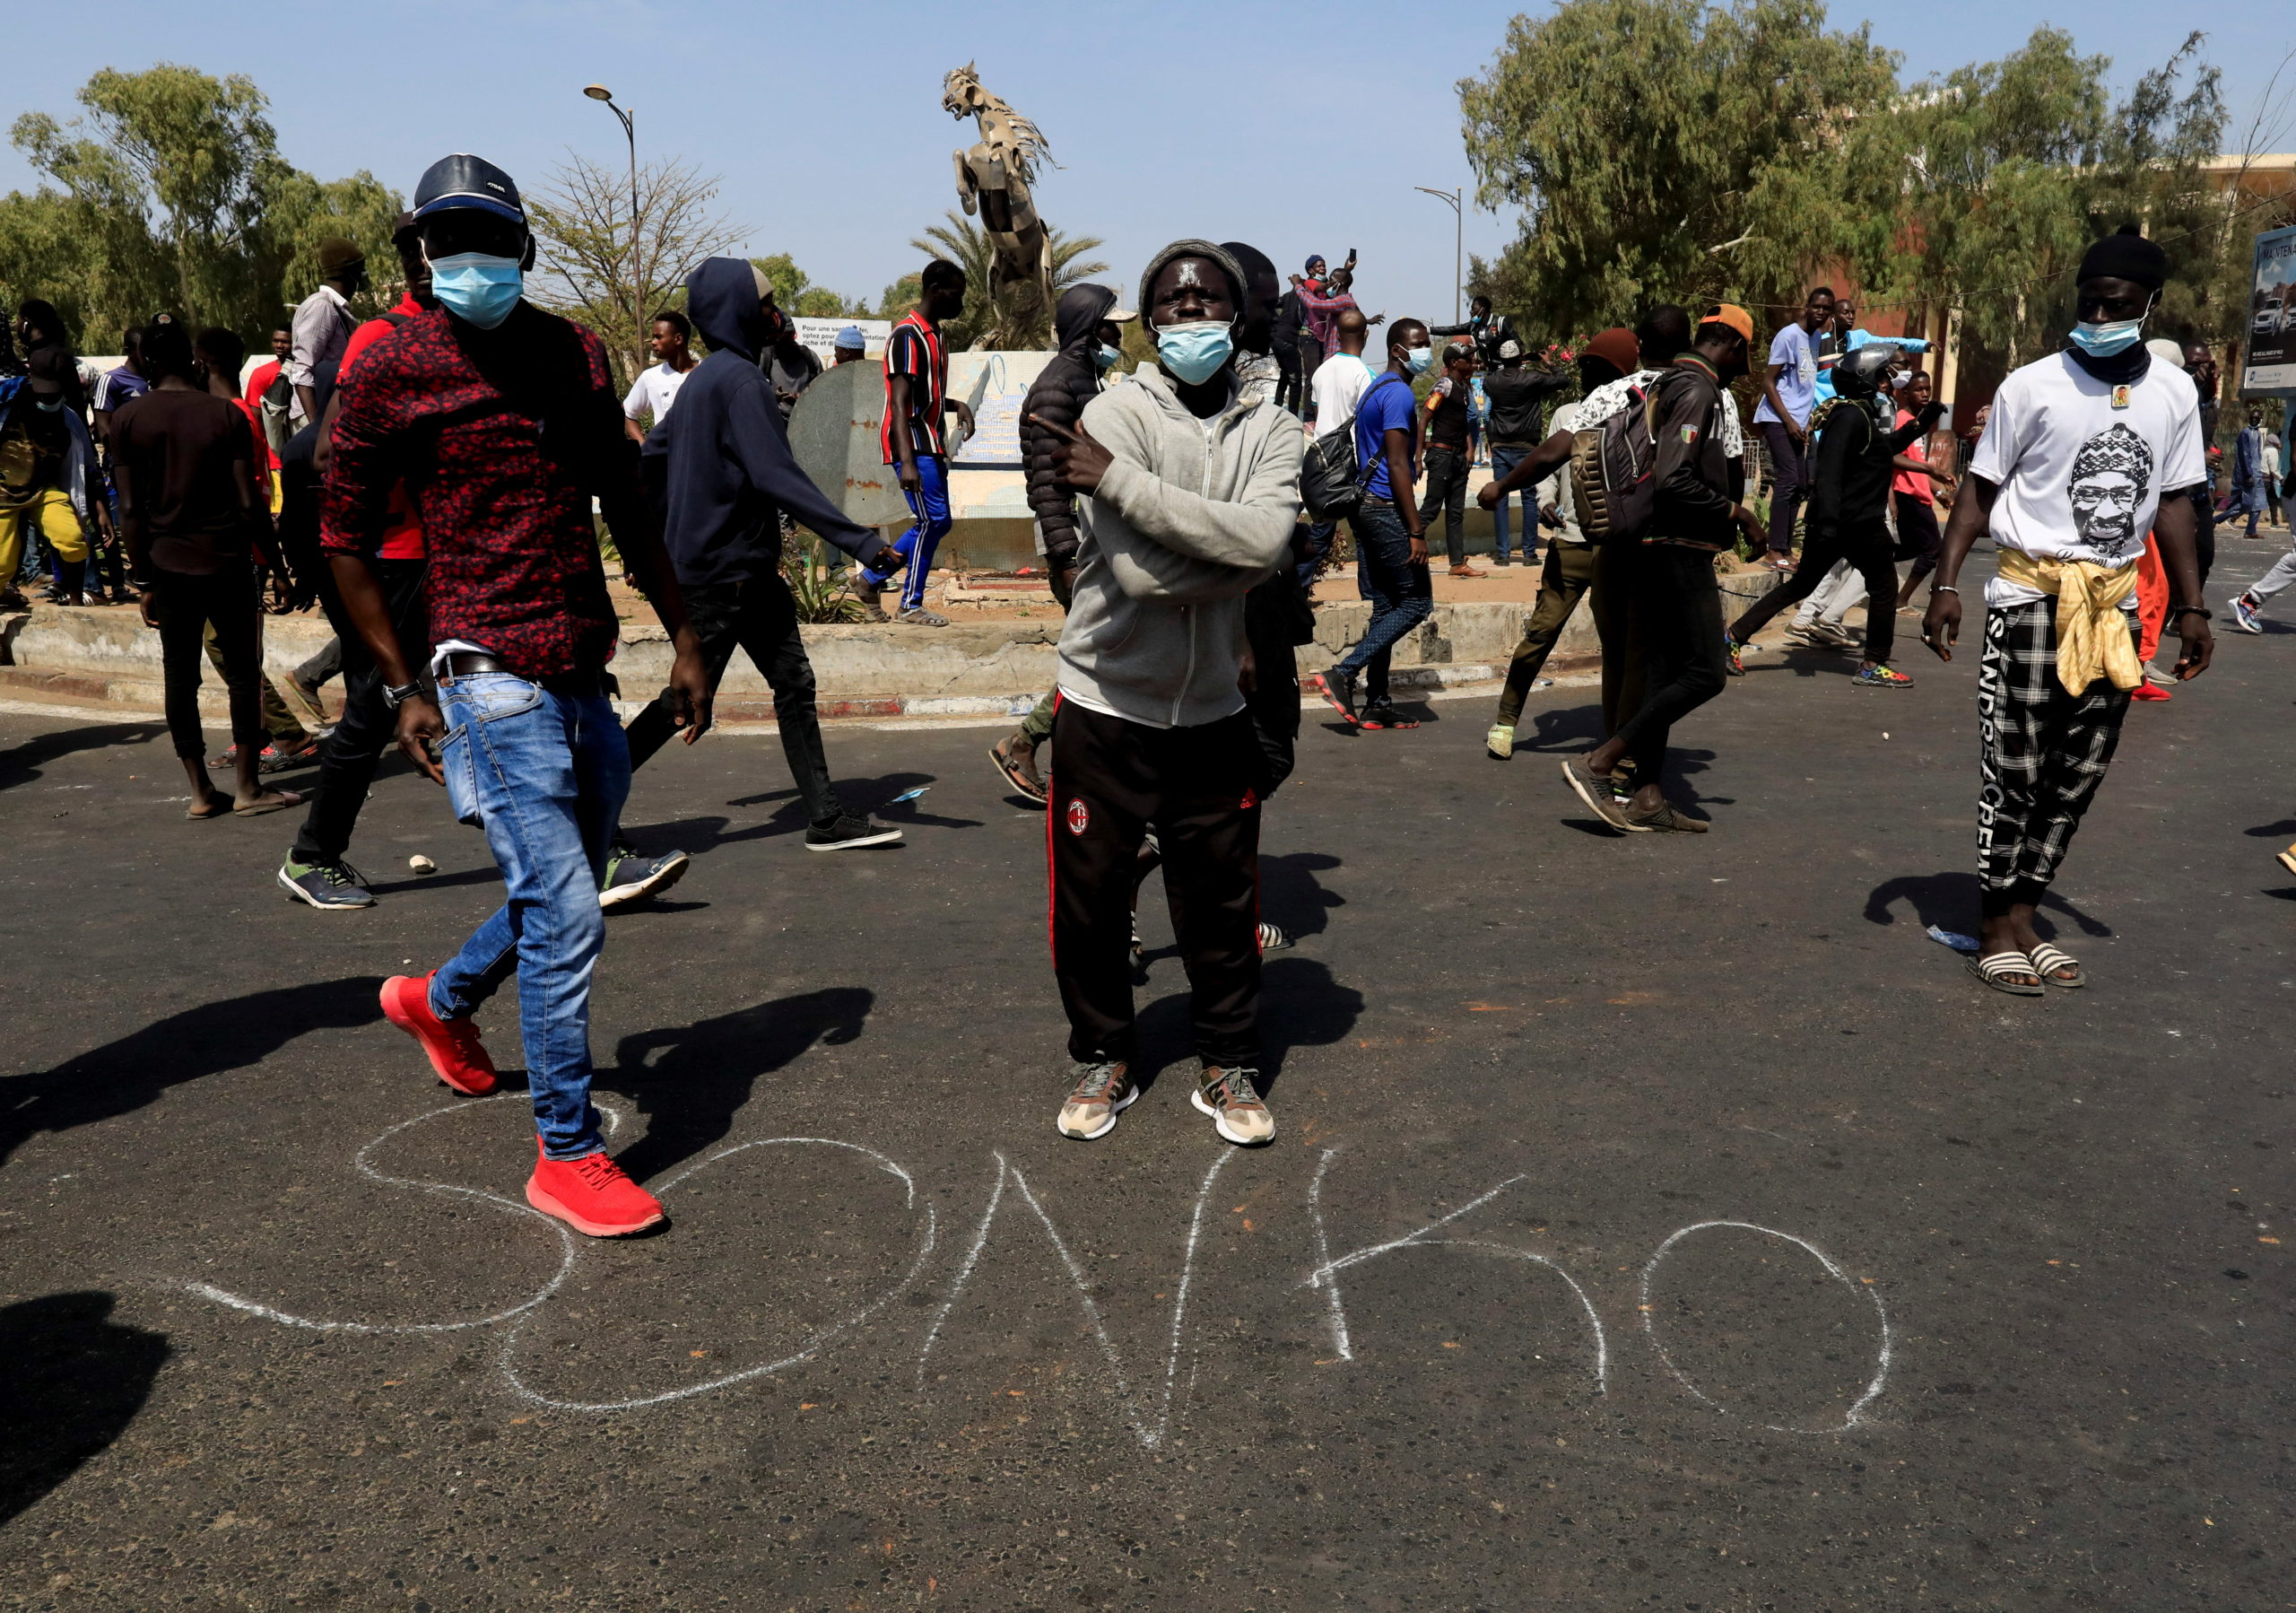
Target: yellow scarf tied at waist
{"points": [[2093, 638]]}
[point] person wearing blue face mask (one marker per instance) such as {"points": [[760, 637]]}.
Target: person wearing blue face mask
{"points": [[504, 424], [2085, 452], [1390, 533], [1191, 489], [1088, 327]]}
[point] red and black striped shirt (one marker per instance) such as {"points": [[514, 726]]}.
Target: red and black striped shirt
{"points": [[915, 350]]}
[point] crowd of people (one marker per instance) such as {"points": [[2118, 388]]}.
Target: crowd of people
{"points": [[428, 478]]}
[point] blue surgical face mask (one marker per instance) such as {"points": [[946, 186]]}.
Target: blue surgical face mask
{"points": [[477, 287], [2102, 338], [1194, 352], [1106, 358], [1420, 359]]}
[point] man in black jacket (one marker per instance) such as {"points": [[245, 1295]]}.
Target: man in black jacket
{"points": [[1850, 470], [1489, 332], [1675, 609], [1088, 326], [1517, 400], [729, 476]]}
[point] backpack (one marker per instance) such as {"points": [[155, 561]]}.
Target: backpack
{"points": [[1612, 467], [1331, 475]]}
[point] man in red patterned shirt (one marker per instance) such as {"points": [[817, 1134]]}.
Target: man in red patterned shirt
{"points": [[503, 422]]}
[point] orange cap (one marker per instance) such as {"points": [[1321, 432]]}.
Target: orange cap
{"points": [[1730, 314]]}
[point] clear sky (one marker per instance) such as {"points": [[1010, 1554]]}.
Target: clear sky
{"points": [[1296, 127]]}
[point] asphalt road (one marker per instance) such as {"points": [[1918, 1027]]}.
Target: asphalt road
{"points": [[1661, 1222]]}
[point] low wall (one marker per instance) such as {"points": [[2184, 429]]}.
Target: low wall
{"points": [[108, 655]]}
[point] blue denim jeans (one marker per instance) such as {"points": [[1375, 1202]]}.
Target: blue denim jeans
{"points": [[930, 505], [1400, 591], [1504, 458], [544, 775]]}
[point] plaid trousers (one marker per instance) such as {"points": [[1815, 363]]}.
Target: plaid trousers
{"points": [[2042, 754]]}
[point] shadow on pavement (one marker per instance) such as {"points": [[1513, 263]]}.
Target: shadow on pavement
{"points": [[75, 1380], [1949, 901], [121, 1076], [690, 1083], [1300, 1004], [20, 765]]}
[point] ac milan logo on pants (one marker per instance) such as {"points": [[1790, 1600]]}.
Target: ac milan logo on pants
{"points": [[1080, 816]]}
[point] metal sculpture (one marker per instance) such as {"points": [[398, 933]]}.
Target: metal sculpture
{"points": [[993, 180]]}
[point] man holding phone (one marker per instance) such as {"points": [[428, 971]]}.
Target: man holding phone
{"points": [[502, 422]]}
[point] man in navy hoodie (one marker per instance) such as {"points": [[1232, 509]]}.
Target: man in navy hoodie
{"points": [[729, 479]]}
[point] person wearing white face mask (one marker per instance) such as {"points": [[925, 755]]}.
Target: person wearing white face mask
{"points": [[1190, 487]]}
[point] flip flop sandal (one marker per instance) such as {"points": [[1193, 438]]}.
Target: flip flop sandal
{"points": [[1021, 783], [1996, 970], [2048, 960], [286, 799]]}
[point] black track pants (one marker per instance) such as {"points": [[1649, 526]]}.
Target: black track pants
{"points": [[1112, 781]]}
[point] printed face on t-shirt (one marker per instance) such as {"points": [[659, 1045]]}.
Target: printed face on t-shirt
{"points": [[2110, 476]]}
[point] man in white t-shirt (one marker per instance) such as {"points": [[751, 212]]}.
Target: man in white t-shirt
{"points": [[656, 386], [2084, 453], [1333, 390]]}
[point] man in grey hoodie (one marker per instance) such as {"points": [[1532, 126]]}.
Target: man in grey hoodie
{"points": [[1190, 486]]}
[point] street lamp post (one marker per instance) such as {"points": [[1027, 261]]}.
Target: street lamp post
{"points": [[1455, 200], [637, 263]]}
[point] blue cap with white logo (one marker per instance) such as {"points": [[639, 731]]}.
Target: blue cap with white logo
{"points": [[463, 180]]}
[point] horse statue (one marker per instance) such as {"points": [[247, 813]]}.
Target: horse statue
{"points": [[993, 181]]}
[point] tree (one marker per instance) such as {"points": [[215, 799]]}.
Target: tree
{"points": [[614, 270], [795, 294], [964, 243], [2018, 165], [170, 194], [1674, 150]]}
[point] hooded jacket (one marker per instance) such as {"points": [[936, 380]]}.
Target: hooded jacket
{"points": [[1059, 395], [1190, 516], [729, 473]]}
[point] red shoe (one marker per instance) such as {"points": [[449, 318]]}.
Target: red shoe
{"points": [[592, 1195], [2150, 691], [452, 1044]]}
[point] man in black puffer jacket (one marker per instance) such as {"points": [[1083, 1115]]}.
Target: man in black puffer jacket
{"points": [[1086, 326]]}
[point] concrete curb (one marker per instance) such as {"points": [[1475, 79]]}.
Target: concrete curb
{"points": [[105, 656]]}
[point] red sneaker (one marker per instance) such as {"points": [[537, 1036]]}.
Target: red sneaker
{"points": [[592, 1195], [452, 1044]]}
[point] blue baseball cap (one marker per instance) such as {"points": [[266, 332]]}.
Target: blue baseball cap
{"points": [[463, 180]]}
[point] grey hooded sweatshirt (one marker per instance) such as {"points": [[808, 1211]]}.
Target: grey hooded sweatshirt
{"points": [[1190, 517]]}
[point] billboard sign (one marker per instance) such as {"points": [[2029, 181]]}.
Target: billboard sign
{"points": [[2271, 335]]}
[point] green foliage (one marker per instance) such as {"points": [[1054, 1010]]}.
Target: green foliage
{"points": [[797, 295], [821, 596], [2016, 166], [963, 242], [170, 193], [897, 298], [1670, 148], [1677, 150]]}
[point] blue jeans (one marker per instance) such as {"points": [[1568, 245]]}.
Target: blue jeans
{"points": [[545, 775], [915, 547], [1400, 592], [1504, 458]]}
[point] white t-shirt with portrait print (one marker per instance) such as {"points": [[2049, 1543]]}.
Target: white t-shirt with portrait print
{"points": [[2081, 464]]}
